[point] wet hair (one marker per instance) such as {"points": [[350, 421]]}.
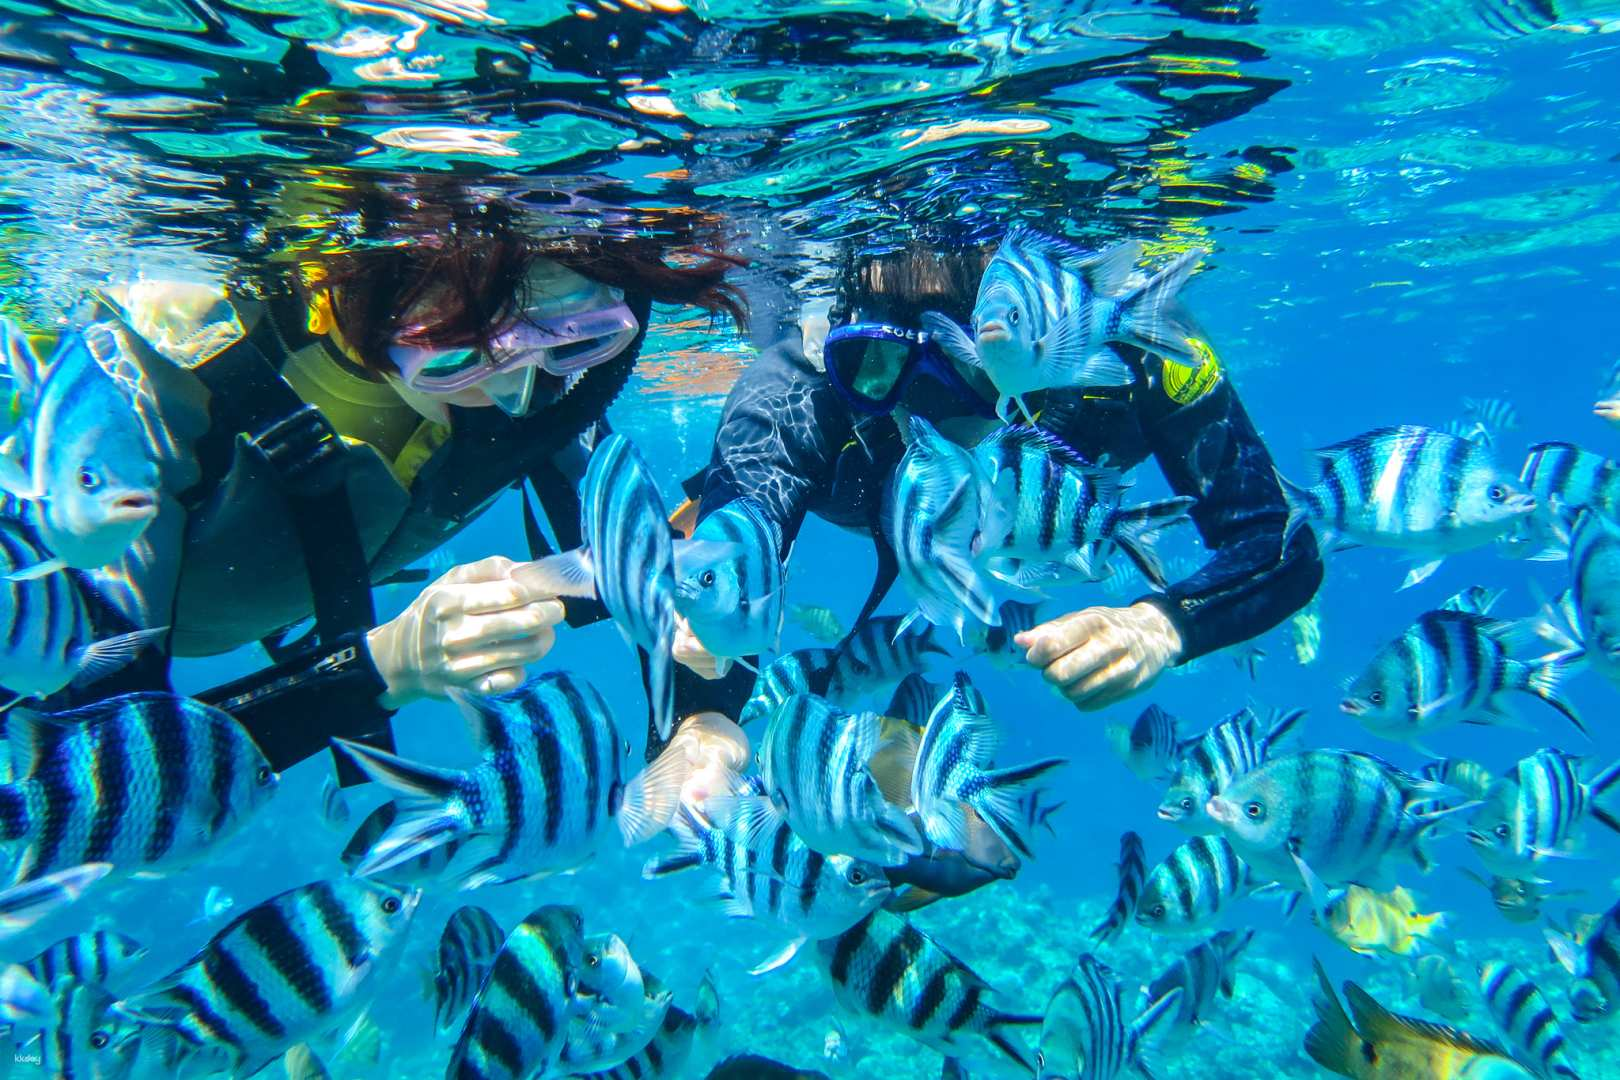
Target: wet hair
{"points": [[898, 285], [475, 258]]}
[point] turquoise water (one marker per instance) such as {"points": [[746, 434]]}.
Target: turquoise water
{"points": [[1407, 204]]}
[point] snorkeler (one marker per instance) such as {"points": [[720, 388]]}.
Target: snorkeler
{"points": [[321, 440], [799, 440]]}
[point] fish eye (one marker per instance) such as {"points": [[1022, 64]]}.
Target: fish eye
{"points": [[593, 960], [1040, 1059], [99, 1040], [391, 905], [1157, 911], [1012, 317], [1254, 810], [1502, 831], [1186, 802], [263, 775], [1496, 493], [1376, 697], [89, 479], [857, 876]]}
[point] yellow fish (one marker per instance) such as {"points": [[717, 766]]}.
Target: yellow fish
{"points": [[1380, 1045], [1368, 923], [1306, 631], [1439, 990]]}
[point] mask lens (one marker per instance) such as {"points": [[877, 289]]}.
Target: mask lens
{"points": [[449, 363], [871, 367]]}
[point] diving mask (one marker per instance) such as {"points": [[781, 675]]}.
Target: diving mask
{"points": [[871, 365]]}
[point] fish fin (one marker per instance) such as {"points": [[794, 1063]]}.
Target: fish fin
{"points": [[1061, 350], [998, 803], [1136, 529], [1542, 679], [910, 898], [302, 1063], [1314, 888], [1151, 1017], [112, 654], [1420, 573], [751, 819], [25, 903], [567, 574], [1109, 271], [951, 338], [1331, 1042], [945, 824], [1600, 786], [778, 958], [894, 761], [36, 571], [652, 796], [1282, 728], [425, 820], [658, 680], [998, 1038], [1302, 507], [1378, 1025], [688, 828], [1570, 956], [1151, 317]]}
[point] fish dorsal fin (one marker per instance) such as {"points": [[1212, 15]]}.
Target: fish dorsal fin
{"points": [[1109, 271], [1021, 436], [32, 737], [1066, 253], [483, 720], [1377, 1024]]}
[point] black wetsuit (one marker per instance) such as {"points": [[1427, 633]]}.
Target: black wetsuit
{"points": [[788, 439]]}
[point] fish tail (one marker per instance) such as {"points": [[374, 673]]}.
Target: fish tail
{"points": [[1282, 728], [658, 680], [1302, 506], [688, 832], [1558, 624], [997, 1037], [429, 812], [1153, 318], [1332, 1042], [1000, 803], [1136, 529], [1599, 788], [1542, 679]]}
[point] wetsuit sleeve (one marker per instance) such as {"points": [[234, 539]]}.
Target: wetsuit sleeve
{"points": [[1208, 448], [779, 438]]}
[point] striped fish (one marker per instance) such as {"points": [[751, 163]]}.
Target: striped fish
{"points": [[1412, 488], [1212, 761], [1475, 600], [1132, 876], [933, 519], [1535, 812], [729, 581], [145, 782], [1325, 817], [1565, 480], [610, 991], [819, 622], [1151, 747], [1471, 779], [1524, 1019], [45, 624], [1449, 667], [804, 671], [99, 957], [426, 867], [1191, 890], [1595, 964], [813, 759], [1086, 1031], [885, 969], [89, 1039], [21, 906], [1047, 312], [467, 949], [542, 798], [1061, 516], [998, 644], [1201, 973], [628, 562], [954, 772], [595, 1043], [675, 1045], [1584, 622], [1494, 413], [877, 654], [519, 1018], [775, 876], [295, 966], [913, 700]]}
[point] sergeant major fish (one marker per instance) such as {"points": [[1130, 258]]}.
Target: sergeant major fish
{"points": [[913, 700], [804, 671], [519, 1018], [1211, 762], [729, 583], [540, 800], [1525, 1019], [877, 654], [1584, 622], [89, 1038], [102, 957], [1191, 890], [1565, 480], [680, 1039], [87, 472], [594, 1043], [1411, 488], [1201, 973], [1085, 1032], [466, 952], [1132, 876], [1047, 312], [1151, 747], [1595, 964], [1535, 812]]}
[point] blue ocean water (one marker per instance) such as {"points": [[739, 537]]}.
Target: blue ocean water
{"points": [[1406, 205]]}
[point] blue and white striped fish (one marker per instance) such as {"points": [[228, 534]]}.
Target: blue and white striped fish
{"points": [[1525, 1019], [467, 950], [428, 866], [678, 1042], [813, 759], [1087, 1033], [886, 969], [145, 782], [1048, 310], [1217, 757], [45, 631], [1565, 480], [954, 773], [102, 957], [295, 966], [1059, 517], [877, 654], [1413, 488], [1495, 413], [998, 643], [1450, 667], [934, 517], [89, 1039], [913, 700], [1584, 622], [1327, 817], [772, 875], [597, 1041], [1151, 746], [1595, 963], [1474, 600], [1535, 812], [519, 1019], [1132, 876], [1201, 973], [1193, 888], [729, 581], [542, 798], [803, 671], [628, 561]]}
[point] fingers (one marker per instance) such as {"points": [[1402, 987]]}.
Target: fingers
{"points": [[494, 568], [1113, 683], [1050, 640], [517, 654], [443, 601], [479, 631], [1093, 655]]}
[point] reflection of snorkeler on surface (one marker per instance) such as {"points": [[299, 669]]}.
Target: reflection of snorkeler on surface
{"points": [[798, 440], [354, 424]]}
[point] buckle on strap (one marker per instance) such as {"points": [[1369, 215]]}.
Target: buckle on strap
{"points": [[305, 451]]}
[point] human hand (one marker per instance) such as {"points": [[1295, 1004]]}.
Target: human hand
{"points": [[474, 629], [690, 652], [1102, 655]]}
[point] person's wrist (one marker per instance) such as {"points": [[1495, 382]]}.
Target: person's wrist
{"points": [[397, 691], [1163, 629]]}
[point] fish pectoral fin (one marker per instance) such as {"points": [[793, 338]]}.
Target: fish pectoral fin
{"points": [[952, 339], [778, 958], [38, 570], [111, 654], [568, 574], [1313, 887], [1420, 573]]}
